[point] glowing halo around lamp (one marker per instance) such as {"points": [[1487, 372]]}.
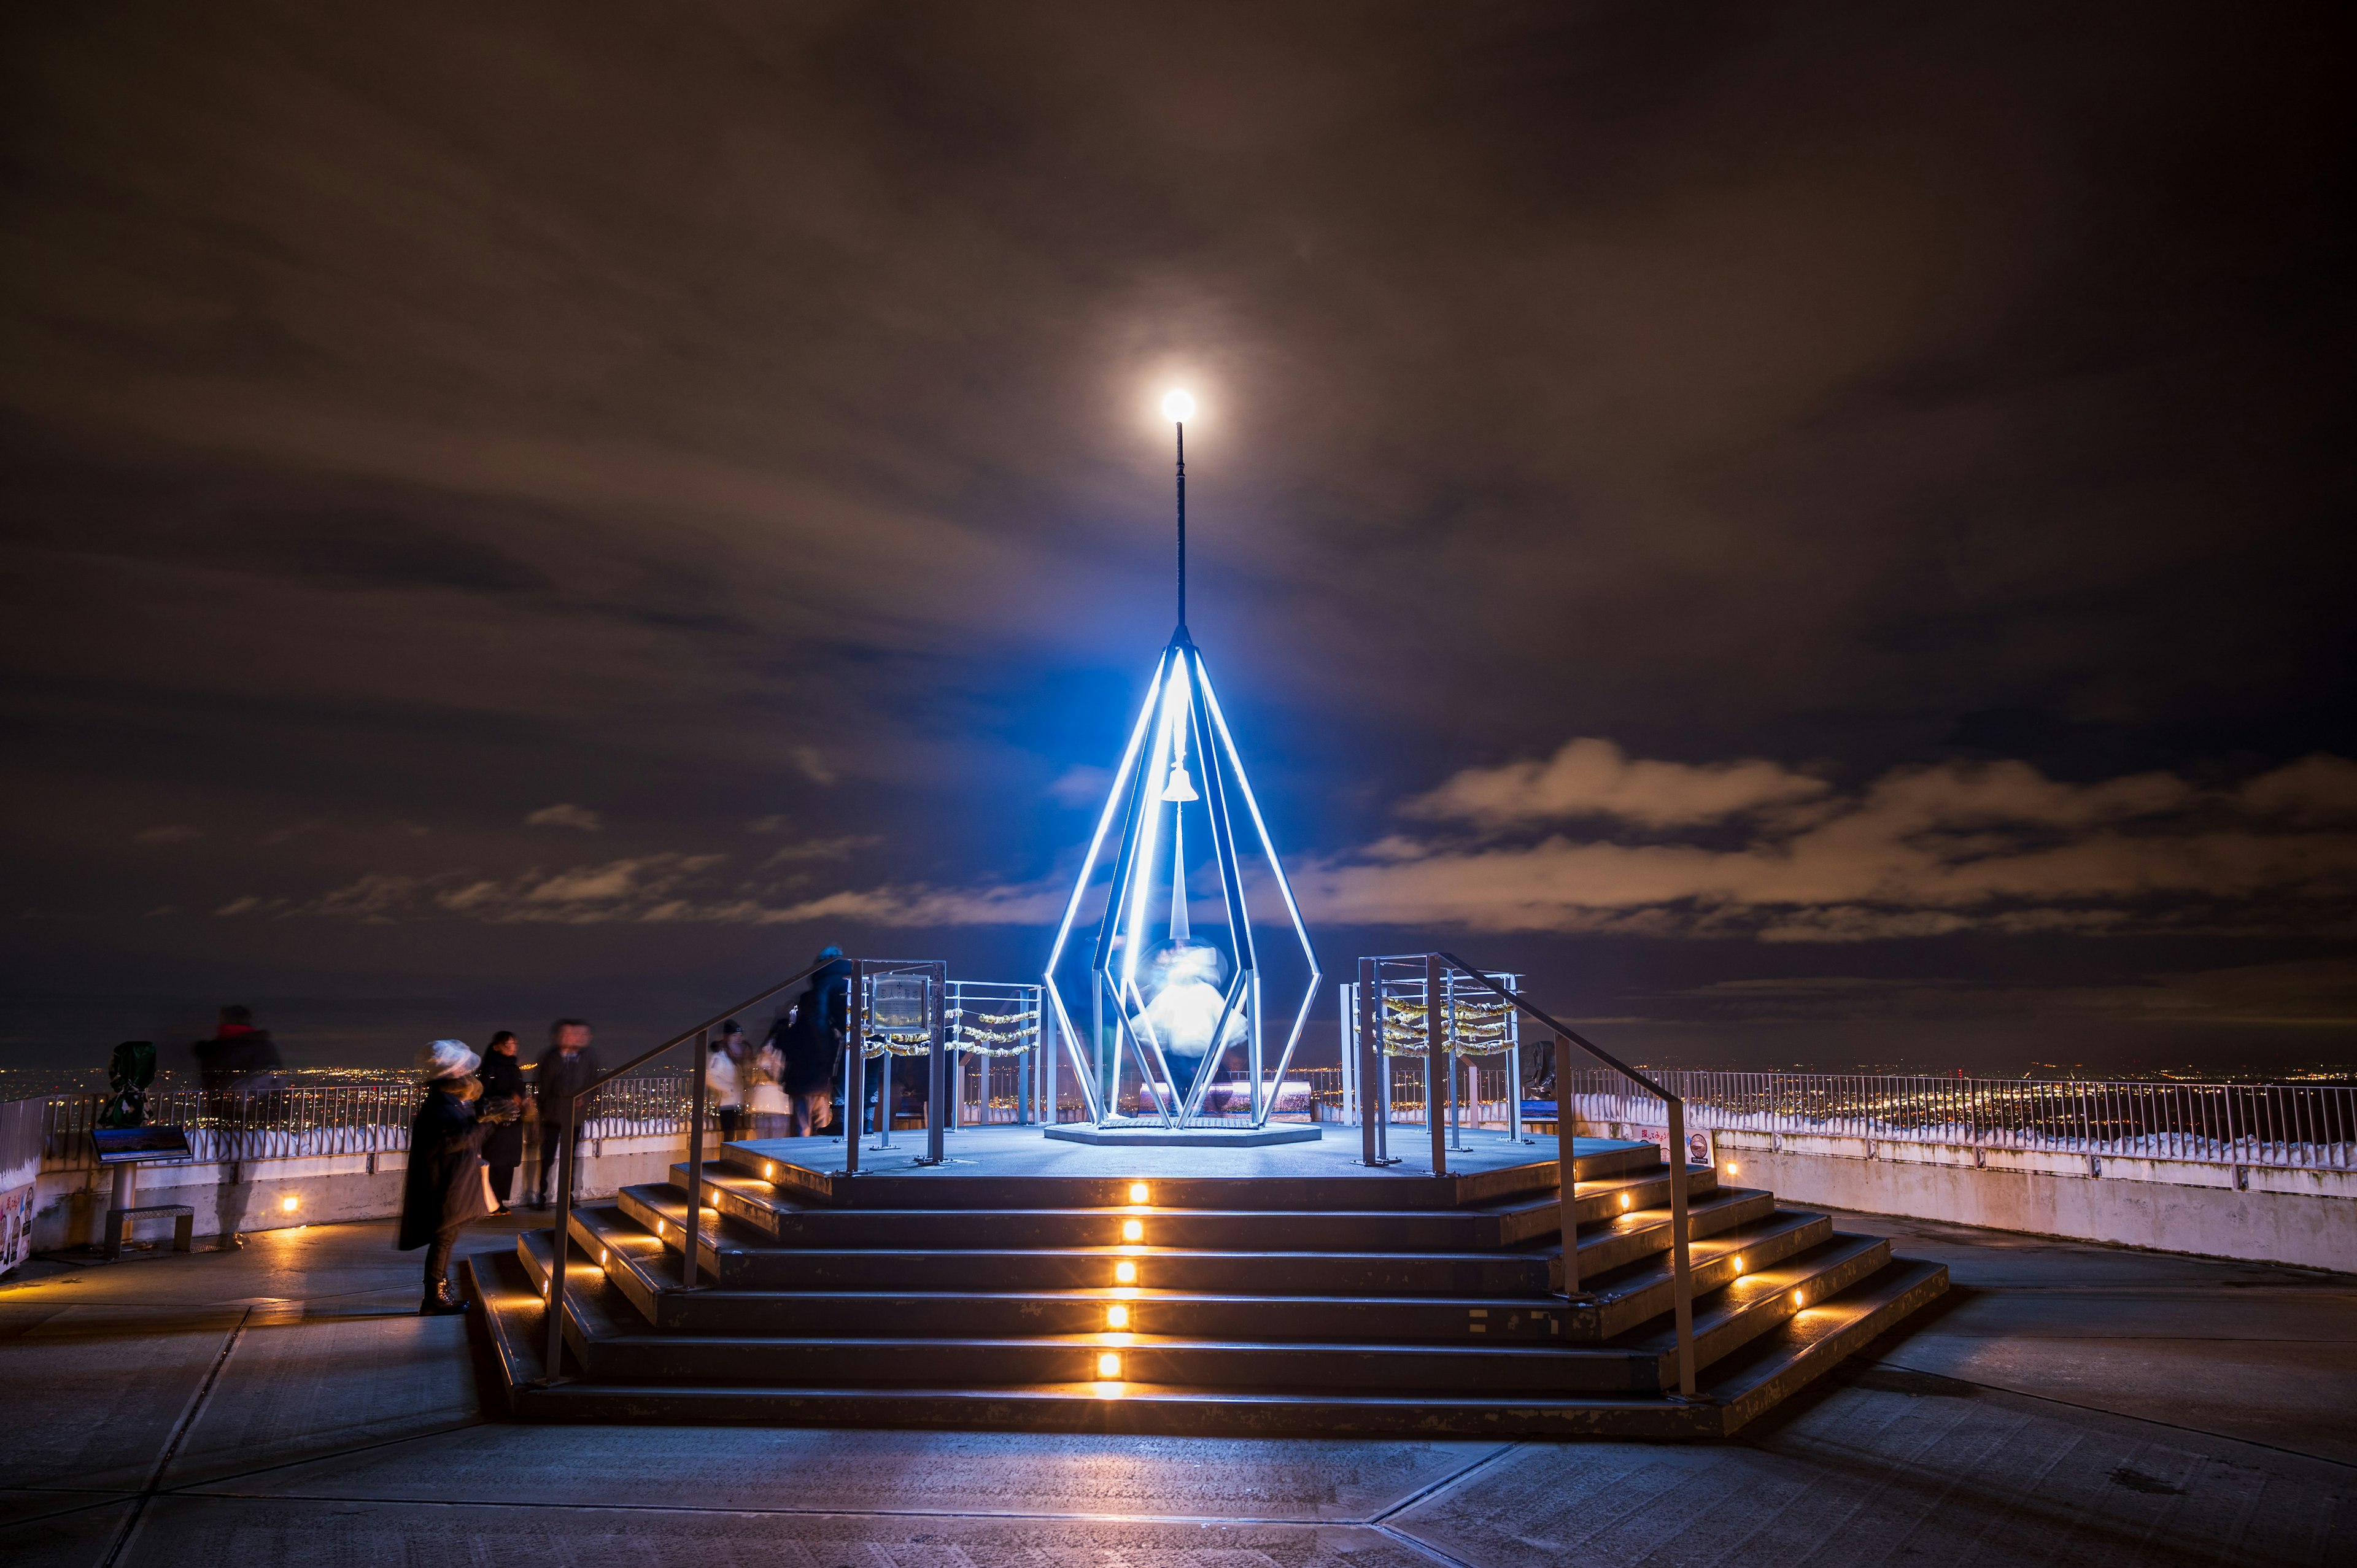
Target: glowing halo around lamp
{"points": [[1177, 407]]}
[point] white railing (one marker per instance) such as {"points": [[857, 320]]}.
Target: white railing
{"points": [[2294, 1126], [335, 1118]]}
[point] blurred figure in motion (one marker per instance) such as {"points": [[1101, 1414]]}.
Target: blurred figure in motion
{"points": [[565, 1068], [722, 1080], [810, 1037], [447, 1184], [240, 1059], [502, 1077], [765, 1099]]}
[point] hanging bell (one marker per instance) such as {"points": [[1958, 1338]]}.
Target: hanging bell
{"points": [[1181, 787]]}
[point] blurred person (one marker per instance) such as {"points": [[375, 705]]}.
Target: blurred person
{"points": [[446, 1185], [240, 1059], [811, 1039], [721, 1080], [565, 1068], [764, 1101], [503, 1084]]}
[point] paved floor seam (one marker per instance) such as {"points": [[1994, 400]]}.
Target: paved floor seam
{"points": [[180, 1430], [1425, 1547], [1442, 1485], [2124, 1415], [183, 1488], [1016, 1518], [97, 1500]]}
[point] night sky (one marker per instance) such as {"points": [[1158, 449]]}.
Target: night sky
{"points": [[1822, 533]]}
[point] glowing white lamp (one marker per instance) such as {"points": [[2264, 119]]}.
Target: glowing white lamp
{"points": [[1177, 407]]}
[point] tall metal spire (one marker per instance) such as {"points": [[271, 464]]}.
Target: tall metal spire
{"points": [[1180, 635]]}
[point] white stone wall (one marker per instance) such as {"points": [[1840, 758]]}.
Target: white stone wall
{"points": [[231, 1194], [2255, 1213]]}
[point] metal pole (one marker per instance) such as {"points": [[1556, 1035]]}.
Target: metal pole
{"points": [[855, 1070], [1436, 1068], [1566, 1166], [937, 1077], [1366, 1051], [1681, 1274], [1051, 1092], [695, 1166], [1182, 525], [561, 1242]]}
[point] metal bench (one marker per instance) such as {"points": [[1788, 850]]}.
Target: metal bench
{"points": [[125, 1150]]}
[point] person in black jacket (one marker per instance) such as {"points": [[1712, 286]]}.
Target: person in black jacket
{"points": [[810, 1037], [502, 1077], [567, 1067], [444, 1186]]}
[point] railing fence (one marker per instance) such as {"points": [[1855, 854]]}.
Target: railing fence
{"points": [[2294, 1126]]}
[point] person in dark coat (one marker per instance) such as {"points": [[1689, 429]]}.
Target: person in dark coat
{"points": [[811, 1038], [566, 1067], [502, 1077], [240, 1059], [444, 1187]]}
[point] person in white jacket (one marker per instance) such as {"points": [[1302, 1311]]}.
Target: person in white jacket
{"points": [[723, 1088]]}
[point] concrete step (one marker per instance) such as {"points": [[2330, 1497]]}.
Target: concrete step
{"points": [[820, 1181], [1624, 1297], [648, 1272], [1770, 1369], [776, 1212], [736, 1260], [1167, 1339], [649, 1275]]}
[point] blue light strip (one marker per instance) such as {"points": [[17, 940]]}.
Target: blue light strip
{"points": [[1104, 821]]}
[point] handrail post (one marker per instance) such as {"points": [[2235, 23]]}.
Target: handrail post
{"points": [[1364, 1049], [855, 1069], [1436, 1069], [696, 1164], [1681, 1274], [561, 1242], [937, 1087], [1566, 1168]]}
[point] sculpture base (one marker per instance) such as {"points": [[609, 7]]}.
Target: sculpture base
{"points": [[1187, 1137]]}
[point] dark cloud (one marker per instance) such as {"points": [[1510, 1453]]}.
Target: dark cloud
{"points": [[720, 413]]}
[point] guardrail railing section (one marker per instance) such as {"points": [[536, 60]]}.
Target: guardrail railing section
{"points": [[1480, 1087], [2285, 1125]]}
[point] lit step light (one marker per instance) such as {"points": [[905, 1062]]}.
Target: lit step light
{"points": [[1137, 1192], [1108, 1366], [1124, 1273], [1116, 1318], [1131, 1231]]}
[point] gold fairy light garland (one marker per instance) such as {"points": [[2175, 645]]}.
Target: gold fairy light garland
{"points": [[1477, 1027], [975, 1040]]}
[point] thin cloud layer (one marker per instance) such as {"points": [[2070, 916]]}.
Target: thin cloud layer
{"points": [[1591, 778], [1921, 851]]}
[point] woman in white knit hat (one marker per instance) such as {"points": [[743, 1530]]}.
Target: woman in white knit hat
{"points": [[447, 1184]]}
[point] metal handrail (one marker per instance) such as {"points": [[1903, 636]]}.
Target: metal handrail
{"points": [[1681, 1270], [561, 1241]]}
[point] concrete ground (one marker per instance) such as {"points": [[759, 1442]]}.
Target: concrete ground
{"points": [[2065, 1404]]}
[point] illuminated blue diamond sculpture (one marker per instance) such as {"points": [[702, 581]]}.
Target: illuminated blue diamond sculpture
{"points": [[1169, 1007]]}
